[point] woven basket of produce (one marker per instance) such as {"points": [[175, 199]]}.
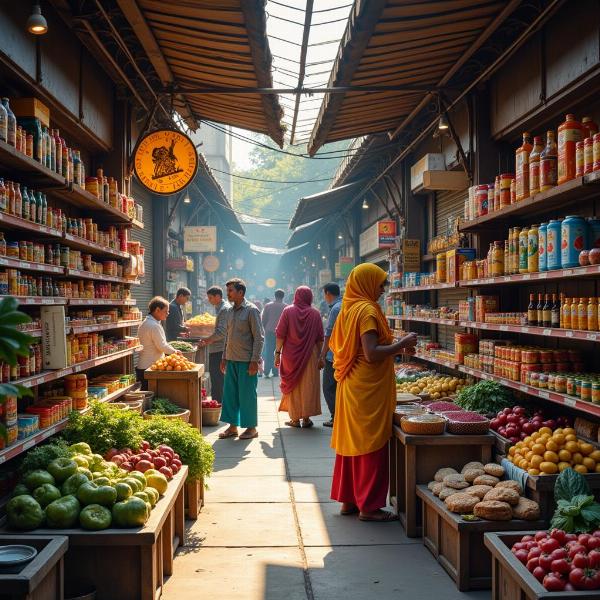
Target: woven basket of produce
{"points": [[465, 422], [407, 410], [426, 424], [440, 406]]}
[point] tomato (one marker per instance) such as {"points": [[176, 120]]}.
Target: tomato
{"points": [[583, 538], [532, 544], [584, 579], [535, 552], [521, 555], [553, 583], [559, 553], [518, 546], [549, 545], [593, 543], [561, 565], [569, 587], [576, 549], [546, 562], [527, 538], [570, 537], [541, 535], [539, 574], [580, 561], [594, 559], [559, 535], [532, 563], [596, 533]]}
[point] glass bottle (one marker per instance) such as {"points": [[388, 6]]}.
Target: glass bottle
{"points": [[44, 147], [18, 200], [532, 312], [25, 204], [58, 144], [65, 160], [540, 310], [44, 214], [3, 123], [11, 124], [555, 317], [575, 313], [548, 163], [2, 244], [52, 141], [11, 197], [582, 314], [76, 167], [3, 196], [592, 314], [547, 312], [522, 168], [562, 304]]}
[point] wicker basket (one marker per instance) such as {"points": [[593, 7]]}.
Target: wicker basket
{"points": [[423, 427], [184, 415], [135, 405], [211, 416], [201, 331], [145, 397]]}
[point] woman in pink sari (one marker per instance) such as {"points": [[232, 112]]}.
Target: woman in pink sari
{"points": [[299, 339]]}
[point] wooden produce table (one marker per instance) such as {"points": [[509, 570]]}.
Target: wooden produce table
{"points": [[510, 578], [40, 579], [414, 459], [458, 545], [128, 564], [180, 387]]}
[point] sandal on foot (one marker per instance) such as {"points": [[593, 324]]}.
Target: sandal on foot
{"points": [[306, 423], [349, 511], [227, 434], [293, 423], [385, 517], [248, 436]]}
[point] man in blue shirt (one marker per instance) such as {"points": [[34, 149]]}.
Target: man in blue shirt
{"points": [[331, 293]]}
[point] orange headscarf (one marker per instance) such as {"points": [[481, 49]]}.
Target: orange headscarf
{"points": [[362, 292]]}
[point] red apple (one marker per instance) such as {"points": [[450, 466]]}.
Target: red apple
{"points": [[159, 462], [127, 466], [112, 452], [176, 463], [594, 256], [145, 445], [584, 258], [166, 472], [145, 456], [143, 466]]}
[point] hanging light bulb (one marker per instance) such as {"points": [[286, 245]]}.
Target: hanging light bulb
{"points": [[221, 250], [340, 236], [443, 123], [186, 200], [313, 265], [365, 204], [36, 23], [318, 246]]}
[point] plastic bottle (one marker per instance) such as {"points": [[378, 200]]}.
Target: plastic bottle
{"points": [[523, 243], [18, 200], [11, 124], [574, 239], [25, 204], [548, 163], [592, 314], [534, 165], [566, 313], [542, 242], [553, 251], [582, 322], [575, 313], [522, 168], [532, 249], [3, 123], [569, 133]]}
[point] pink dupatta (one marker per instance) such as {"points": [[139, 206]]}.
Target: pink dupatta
{"points": [[301, 327]]}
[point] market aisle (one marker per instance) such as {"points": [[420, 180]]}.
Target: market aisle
{"points": [[270, 531]]}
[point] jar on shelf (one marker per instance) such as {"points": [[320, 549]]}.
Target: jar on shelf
{"points": [[574, 239], [553, 250]]}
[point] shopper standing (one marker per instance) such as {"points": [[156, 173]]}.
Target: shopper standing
{"points": [[216, 342], [364, 351], [331, 294], [243, 346], [174, 326], [152, 337], [270, 317], [299, 338]]}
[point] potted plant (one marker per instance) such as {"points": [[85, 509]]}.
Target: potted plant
{"points": [[162, 407]]}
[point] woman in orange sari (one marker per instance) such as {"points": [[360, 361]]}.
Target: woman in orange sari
{"points": [[364, 350]]}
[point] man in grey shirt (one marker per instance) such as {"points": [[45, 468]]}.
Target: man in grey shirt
{"points": [[216, 342], [244, 340]]}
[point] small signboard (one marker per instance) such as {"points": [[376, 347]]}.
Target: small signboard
{"points": [[200, 239]]}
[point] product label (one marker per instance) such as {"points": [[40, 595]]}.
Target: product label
{"points": [[548, 173]]}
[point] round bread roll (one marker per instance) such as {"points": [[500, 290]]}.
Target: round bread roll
{"points": [[494, 469], [461, 503], [471, 475], [503, 495], [441, 473], [445, 492], [510, 484], [492, 510], [437, 488], [478, 490], [526, 509], [486, 480], [472, 465], [455, 481]]}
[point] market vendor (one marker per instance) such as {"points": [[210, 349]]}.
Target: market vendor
{"points": [[174, 326], [152, 337]]}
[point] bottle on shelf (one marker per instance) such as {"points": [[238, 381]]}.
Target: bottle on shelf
{"points": [[3, 123], [548, 163], [592, 314], [534, 165], [565, 310], [52, 141], [540, 310], [523, 243], [2, 244], [24, 204], [582, 322], [522, 168], [574, 313], [532, 249], [569, 133], [589, 127], [547, 312], [18, 200], [532, 312], [3, 196], [11, 197], [11, 124], [555, 316], [542, 243], [59, 153]]}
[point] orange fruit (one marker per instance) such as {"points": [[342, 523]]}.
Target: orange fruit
{"points": [[536, 461], [533, 471], [559, 431], [535, 435], [572, 446], [569, 430], [559, 438], [563, 465], [581, 469], [511, 451], [577, 458], [545, 430], [595, 455], [551, 445], [597, 469], [538, 449], [570, 437], [551, 456], [529, 455], [549, 468], [564, 455], [585, 448], [589, 463]]}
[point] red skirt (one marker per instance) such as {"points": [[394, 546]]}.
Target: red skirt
{"points": [[362, 480]]}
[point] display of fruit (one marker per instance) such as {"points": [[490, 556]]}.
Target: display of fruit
{"points": [[547, 452], [173, 362], [561, 561], [437, 386], [92, 492], [162, 459], [210, 404], [203, 319], [514, 424]]}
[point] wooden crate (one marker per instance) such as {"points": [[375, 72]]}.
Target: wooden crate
{"points": [[512, 581], [128, 564], [458, 545], [40, 579], [414, 459], [180, 387]]}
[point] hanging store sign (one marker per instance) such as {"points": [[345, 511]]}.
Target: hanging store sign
{"points": [[165, 161], [324, 277], [211, 264], [200, 239], [346, 266], [380, 235]]}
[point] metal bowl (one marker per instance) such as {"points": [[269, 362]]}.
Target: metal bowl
{"points": [[14, 557]]}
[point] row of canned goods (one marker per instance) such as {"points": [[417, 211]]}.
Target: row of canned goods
{"points": [[585, 387]]}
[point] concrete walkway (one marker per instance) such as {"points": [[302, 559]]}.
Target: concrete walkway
{"points": [[270, 531]]}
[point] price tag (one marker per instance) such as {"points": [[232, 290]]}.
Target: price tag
{"points": [[3, 261], [47, 301], [569, 333], [29, 444], [526, 277], [23, 265], [77, 368], [570, 402], [37, 381], [524, 329], [543, 276], [523, 388], [544, 394], [547, 332], [506, 278], [568, 272], [51, 431], [503, 327], [591, 336]]}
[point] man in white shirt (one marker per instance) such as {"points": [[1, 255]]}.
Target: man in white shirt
{"points": [[152, 337]]}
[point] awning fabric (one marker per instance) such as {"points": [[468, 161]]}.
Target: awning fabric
{"points": [[304, 233], [323, 204], [206, 44], [419, 44]]}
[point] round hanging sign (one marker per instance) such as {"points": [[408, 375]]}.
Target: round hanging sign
{"points": [[165, 161], [270, 283], [211, 263]]}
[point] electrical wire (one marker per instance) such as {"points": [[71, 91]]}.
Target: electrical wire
{"points": [[268, 180]]}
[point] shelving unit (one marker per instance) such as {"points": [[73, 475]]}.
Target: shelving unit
{"points": [[433, 320], [574, 334], [423, 288], [437, 361], [574, 273]]}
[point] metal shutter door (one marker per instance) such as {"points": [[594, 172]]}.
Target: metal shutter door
{"points": [[145, 292]]}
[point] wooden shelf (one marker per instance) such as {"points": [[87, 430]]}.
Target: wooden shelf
{"points": [[450, 364], [423, 288], [43, 434], [78, 273], [23, 224], [574, 334], [100, 302], [25, 265], [84, 245], [38, 300], [434, 320], [573, 273], [544, 203], [104, 326], [102, 360], [562, 399], [137, 223]]}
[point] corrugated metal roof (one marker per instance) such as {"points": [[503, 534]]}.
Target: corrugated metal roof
{"points": [[420, 45], [304, 233], [205, 44]]}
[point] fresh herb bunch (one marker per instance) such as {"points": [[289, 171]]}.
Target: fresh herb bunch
{"points": [[577, 511], [484, 397], [163, 406], [105, 427], [185, 439], [183, 346], [41, 456]]}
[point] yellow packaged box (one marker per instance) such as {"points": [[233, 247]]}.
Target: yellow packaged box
{"points": [[454, 259], [31, 107]]}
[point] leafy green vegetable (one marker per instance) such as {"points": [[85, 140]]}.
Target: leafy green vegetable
{"points": [[484, 397], [105, 427], [569, 484], [163, 406], [183, 346], [185, 439], [41, 456]]}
